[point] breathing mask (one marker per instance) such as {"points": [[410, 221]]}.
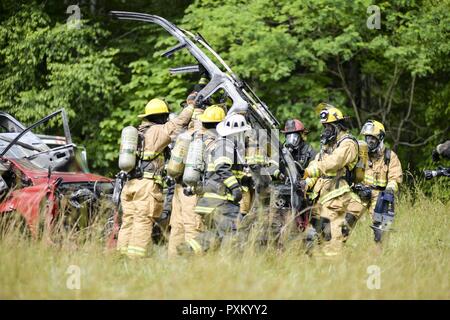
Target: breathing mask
{"points": [[329, 133]]}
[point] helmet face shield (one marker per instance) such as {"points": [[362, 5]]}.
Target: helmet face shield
{"points": [[372, 143], [368, 128], [293, 139], [374, 128]]}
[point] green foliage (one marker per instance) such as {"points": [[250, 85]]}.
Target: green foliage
{"points": [[50, 66], [299, 53], [413, 263], [295, 54]]}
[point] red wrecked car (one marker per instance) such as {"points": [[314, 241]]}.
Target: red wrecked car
{"points": [[43, 177]]}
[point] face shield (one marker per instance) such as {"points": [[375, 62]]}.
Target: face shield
{"points": [[368, 129], [293, 140], [372, 143]]}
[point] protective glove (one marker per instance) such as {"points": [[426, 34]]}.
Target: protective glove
{"points": [[164, 215], [201, 103], [190, 100], [428, 174], [435, 156], [196, 100], [311, 171], [364, 192], [169, 181], [187, 191], [246, 180], [255, 167], [302, 185], [237, 194]]}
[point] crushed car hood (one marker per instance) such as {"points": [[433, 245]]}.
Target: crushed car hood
{"points": [[38, 175]]}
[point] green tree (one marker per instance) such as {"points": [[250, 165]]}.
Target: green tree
{"points": [[301, 52], [47, 66], [294, 53]]}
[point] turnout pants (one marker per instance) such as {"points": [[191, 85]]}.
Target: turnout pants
{"points": [[142, 202], [185, 224], [220, 224], [335, 211]]}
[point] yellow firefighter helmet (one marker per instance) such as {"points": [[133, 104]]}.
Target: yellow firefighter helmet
{"points": [[329, 113], [155, 106], [373, 128], [212, 114]]}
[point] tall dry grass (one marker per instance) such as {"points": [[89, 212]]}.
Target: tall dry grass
{"points": [[414, 264]]}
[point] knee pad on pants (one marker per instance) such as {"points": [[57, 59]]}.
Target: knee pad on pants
{"points": [[350, 221], [324, 228]]}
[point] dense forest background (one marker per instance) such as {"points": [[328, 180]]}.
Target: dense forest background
{"points": [[294, 53]]}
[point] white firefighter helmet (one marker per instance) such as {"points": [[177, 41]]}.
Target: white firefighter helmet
{"points": [[232, 124]]}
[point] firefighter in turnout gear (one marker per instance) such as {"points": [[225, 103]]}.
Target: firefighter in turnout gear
{"points": [[329, 177], [221, 193], [185, 223], [142, 196], [441, 151], [384, 170], [302, 152]]}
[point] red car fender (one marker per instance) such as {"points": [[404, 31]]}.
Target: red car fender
{"points": [[26, 202]]}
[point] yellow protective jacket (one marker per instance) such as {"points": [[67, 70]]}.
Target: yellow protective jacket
{"points": [[325, 174], [384, 170], [156, 138]]}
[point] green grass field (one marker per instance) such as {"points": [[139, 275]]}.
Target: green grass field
{"points": [[414, 264]]}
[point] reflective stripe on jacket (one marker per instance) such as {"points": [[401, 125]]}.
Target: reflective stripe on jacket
{"points": [[327, 170], [380, 174]]}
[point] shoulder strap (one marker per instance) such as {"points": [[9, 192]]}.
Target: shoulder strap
{"points": [[212, 143], [347, 136], [349, 174], [387, 156], [142, 128], [387, 159]]}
